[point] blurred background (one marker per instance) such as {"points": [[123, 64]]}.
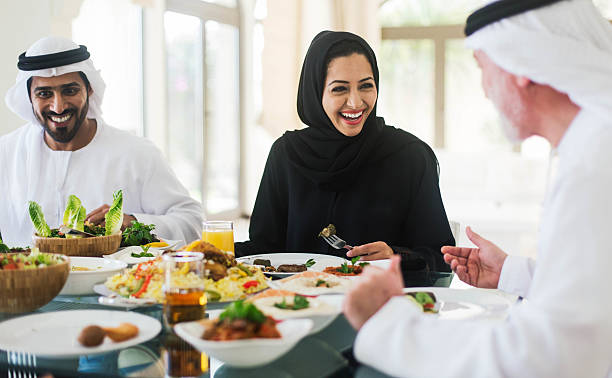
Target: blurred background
{"points": [[214, 83]]}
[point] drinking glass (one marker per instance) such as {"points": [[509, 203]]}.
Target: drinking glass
{"points": [[184, 287], [181, 359], [220, 234]]}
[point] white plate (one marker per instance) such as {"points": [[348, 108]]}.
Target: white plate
{"points": [[82, 282], [322, 310], [109, 298], [54, 334], [276, 259], [125, 255], [467, 303], [246, 353]]}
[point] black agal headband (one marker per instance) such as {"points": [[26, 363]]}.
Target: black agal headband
{"points": [[39, 62], [499, 10]]}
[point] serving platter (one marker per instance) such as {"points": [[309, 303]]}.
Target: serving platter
{"points": [[276, 259], [54, 334]]}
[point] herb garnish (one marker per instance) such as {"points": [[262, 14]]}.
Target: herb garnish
{"points": [[145, 252], [299, 302], [345, 268], [321, 282], [310, 263], [242, 310], [138, 234]]}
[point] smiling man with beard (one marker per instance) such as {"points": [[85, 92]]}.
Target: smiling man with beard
{"points": [[67, 148]]}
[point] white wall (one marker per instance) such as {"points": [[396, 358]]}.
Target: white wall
{"points": [[20, 27]]}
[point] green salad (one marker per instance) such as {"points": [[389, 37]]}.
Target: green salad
{"points": [[74, 217], [34, 260]]}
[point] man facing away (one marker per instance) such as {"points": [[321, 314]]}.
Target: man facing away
{"points": [[67, 148], [547, 67]]}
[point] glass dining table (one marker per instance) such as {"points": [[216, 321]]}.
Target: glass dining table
{"points": [[327, 353]]}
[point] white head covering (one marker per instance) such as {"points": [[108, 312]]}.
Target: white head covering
{"points": [[567, 45], [17, 98]]}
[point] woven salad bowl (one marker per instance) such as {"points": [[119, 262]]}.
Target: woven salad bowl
{"points": [[89, 247], [25, 290]]}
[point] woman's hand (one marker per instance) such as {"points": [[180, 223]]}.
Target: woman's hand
{"points": [[480, 267], [372, 251]]}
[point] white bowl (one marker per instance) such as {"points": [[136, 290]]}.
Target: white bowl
{"points": [[322, 310], [246, 353], [82, 282]]}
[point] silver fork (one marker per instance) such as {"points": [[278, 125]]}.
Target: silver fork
{"points": [[20, 359], [336, 242]]}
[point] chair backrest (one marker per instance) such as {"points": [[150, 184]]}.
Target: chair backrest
{"points": [[455, 229]]}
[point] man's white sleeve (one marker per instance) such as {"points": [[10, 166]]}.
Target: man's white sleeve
{"points": [[516, 275], [167, 204]]}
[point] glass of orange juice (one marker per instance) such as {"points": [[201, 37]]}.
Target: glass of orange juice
{"points": [[220, 234]]}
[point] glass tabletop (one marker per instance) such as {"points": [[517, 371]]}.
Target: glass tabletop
{"points": [[323, 354]]}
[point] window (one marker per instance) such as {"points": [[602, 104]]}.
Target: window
{"points": [[117, 53], [204, 112]]}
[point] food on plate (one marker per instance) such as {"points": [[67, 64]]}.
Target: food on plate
{"points": [[314, 283], [346, 269], [221, 283], [145, 252], [83, 268], [34, 260], [284, 304], [217, 262], [263, 262], [91, 336], [74, 217], [159, 244], [298, 302], [424, 299], [138, 234], [291, 268], [284, 268], [328, 231], [124, 331], [240, 320]]}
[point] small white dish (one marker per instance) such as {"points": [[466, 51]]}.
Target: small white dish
{"points": [[249, 352], [125, 255], [81, 282]]}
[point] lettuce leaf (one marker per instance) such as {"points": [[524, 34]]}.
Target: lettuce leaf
{"points": [[38, 220], [114, 216], [72, 209]]}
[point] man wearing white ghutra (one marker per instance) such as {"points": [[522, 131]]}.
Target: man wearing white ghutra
{"points": [[67, 148], [547, 67]]}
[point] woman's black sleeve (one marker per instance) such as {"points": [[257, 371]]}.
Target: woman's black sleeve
{"points": [[426, 228], [268, 226]]}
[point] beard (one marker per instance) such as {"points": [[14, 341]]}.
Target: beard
{"points": [[510, 131], [64, 134]]}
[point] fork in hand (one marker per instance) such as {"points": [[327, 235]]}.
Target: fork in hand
{"points": [[336, 242]]}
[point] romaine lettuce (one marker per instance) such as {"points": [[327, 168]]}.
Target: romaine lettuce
{"points": [[114, 216], [38, 220]]}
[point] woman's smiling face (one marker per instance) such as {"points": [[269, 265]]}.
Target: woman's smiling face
{"points": [[350, 93]]}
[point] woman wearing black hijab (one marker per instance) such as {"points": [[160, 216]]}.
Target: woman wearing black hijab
{"points": [[377, 184]]}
